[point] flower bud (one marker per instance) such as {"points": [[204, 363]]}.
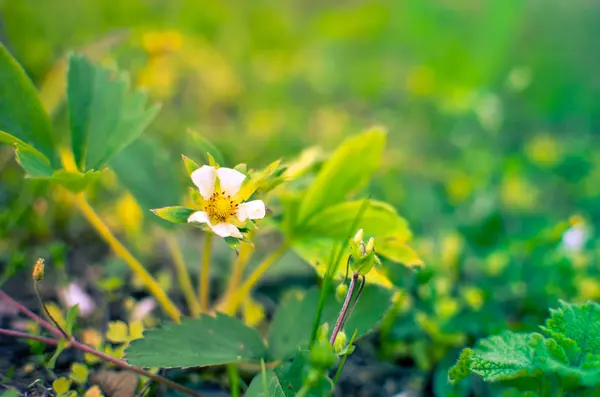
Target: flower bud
{"points": [[322, 356], [358, 237], [38, 270], [370, 246], [340, 342], [323, 333], [341, 291]]}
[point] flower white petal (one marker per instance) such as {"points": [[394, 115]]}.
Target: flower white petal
{"points": [[205, 177], [231, 180], [226, 230], [199, 216], [254, 209], [73, 294]]}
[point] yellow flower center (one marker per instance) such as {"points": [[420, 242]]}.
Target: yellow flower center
{"points": [[220, 207]]}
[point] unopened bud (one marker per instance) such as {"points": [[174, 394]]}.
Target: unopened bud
{"points": [[340, 342], [358, 237], [322, 356], [340, 292], [38, 270], [323, 333], [370, 246]]}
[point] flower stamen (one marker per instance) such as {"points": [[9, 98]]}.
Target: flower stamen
{"points": [[220, 207]]}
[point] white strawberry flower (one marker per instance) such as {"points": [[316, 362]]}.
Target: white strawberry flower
{"points": [[223, 208]]}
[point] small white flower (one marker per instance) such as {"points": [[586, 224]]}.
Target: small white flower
{"points": [[223, 209], [574, 238], [72, 295]]}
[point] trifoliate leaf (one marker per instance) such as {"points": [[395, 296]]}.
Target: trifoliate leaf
{"points": [[197, 342], [105, 117]]}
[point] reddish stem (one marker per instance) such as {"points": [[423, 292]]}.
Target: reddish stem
{"points": [[85, 348], [23, 335], [344, 311]]}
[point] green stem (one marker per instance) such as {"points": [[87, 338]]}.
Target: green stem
{"points": [[205, 273], [234, 380], [330, 273]]}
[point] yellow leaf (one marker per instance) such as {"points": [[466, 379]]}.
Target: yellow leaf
{"points": [[253, 312], [61, 385], [117, 352], [136, 329], [94, 391], [57, 314], [79, 373], [90, 358], [118, 332]]}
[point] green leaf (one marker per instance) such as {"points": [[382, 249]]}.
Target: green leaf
{"points": [[148, 171], [291, 326], [197, 342], [349, 169], [286, 380], [71, 319], [502, 357], [462, 369], [572, 352], [22, 116], [62, 345], [577, 329], [104, 116], [378, 219], [190, 165], [206, 148], [34, 164], [176, 214], [75, 181]]}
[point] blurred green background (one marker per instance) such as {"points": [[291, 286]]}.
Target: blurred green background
{"points": [[492, 108]]}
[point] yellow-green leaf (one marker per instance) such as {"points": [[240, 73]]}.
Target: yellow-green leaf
{"points": [[79, 373], [175, 214], [61, 385], [349, 169], [118, 332], [378, 219]]}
